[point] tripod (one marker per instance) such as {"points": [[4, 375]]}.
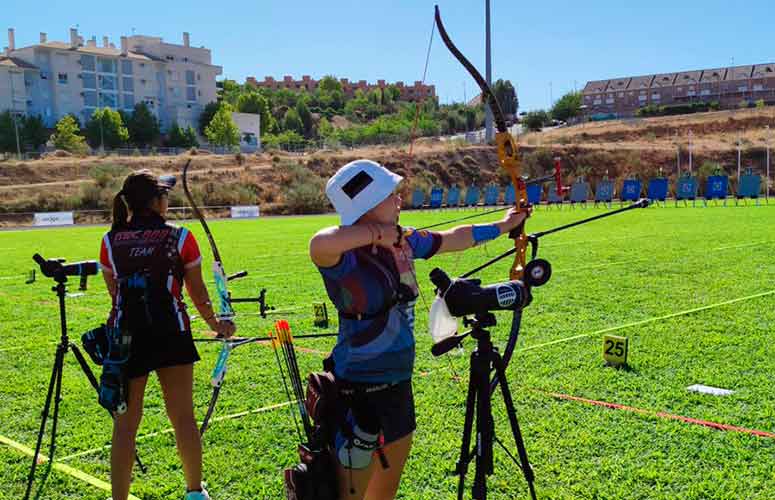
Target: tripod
{"points": [[55, 383], [484, 360]]}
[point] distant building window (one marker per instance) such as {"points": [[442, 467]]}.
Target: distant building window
{"points": [[128, 84], [655, 96], [126, 67], [598, 101], [758, 87], [190, 78], [106, 65], [691, 92], [742, 88], [199, 76], [641, 98], [87, 63], [621, 94], [108, 100], [90, 99], [609, 100], [62, 78], [107, 82], [89, 80], [705, 92], [191, 93], [129, 101]]}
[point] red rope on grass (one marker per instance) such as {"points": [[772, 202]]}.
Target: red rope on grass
{"points": [[665, 415]]}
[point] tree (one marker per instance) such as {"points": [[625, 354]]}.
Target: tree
{"points": [[106, 129], [329, 93], [180, 138], [207, 115], [222, 131], [7, 132], [143, 127], [567, 107], [67, 137], [325, 129], [254, 102], [292, 122], [305, 116], [535, 120], [190, 135], [34, 132], [393, 93], [506, 96], [229, 92]]}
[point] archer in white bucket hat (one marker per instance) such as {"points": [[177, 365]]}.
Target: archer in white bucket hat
{"points": [[358, 187], [367, 267]]}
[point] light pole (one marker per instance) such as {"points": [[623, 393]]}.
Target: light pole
{"points": [[690, 152], [488, 129], [15, 118], [738, 156]]}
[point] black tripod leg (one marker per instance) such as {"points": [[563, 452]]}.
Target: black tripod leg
{"points": [[512, 412], [465, 453], [57, 399], [57, 368], [93, 381], [484, 425]]}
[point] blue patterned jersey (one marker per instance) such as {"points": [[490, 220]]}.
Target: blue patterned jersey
{"points": [[377, 285]]}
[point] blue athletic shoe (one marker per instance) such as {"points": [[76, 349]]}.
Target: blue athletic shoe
{"points": [[197, 495]]}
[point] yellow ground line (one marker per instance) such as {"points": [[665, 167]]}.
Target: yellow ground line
{"points": [[169, 430], [71, 471], [645, 321]]}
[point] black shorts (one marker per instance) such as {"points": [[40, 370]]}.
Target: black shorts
{"points": [[392, 406], [153, 350]]}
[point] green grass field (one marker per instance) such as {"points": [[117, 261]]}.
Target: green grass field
{"points": [[639, 274]]}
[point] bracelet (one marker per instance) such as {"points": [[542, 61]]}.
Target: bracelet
{"points": [[400, 232]]}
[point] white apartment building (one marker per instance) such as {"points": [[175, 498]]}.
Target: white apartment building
{"points": [[53, 79]]}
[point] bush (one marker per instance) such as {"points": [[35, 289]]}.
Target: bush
{"points": [[303, 190], [534, 121]]}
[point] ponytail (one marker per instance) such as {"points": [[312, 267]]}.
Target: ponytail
{"points": [[120, 212]]}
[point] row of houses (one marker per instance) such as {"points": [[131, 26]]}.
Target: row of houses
{"points": [[622, 97], [416, 92], [53, 78]]}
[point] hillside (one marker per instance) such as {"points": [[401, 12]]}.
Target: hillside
{"points": [[287, 183]]}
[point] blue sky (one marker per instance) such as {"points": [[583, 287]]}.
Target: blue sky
{"points": [[537, 45]]}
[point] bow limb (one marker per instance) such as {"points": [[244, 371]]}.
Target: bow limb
{"points": [[507, 150], [509, 161], [225, 310]]}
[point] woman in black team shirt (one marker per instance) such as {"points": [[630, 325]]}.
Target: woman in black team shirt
{"points": [[145, 263]]}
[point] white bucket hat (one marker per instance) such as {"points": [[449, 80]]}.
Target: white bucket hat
{"points": [[358, 187]]}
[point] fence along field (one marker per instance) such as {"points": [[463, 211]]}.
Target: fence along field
{"points": [[692, 289]]}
